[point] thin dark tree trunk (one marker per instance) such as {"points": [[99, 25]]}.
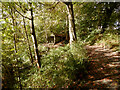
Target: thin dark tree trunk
{"points": [[37, 57], [106, 20], [30, 52], [72, 33]]}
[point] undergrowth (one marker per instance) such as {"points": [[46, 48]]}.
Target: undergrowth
{"points": [[109, 41], [60, 67]]}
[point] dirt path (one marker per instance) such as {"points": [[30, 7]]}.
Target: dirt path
{"points": [[104, 70]]}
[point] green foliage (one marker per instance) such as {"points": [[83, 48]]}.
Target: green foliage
{"points": [[110, 41], [59, 67], [92, 36]]}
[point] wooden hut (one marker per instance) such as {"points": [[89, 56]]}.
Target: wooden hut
{"points": [[56, 38]]}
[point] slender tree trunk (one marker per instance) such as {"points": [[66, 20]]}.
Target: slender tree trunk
{"points": [[30, 52], [46, 36], [15, 45], [37, 57], [67, 30], [72, 33]]}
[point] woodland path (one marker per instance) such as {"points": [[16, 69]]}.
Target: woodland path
{"points": [[104, 69]]}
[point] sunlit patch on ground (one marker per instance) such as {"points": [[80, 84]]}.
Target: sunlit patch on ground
{"points": [[103, 81], [101, 49], [113, 65], [112, 54]]}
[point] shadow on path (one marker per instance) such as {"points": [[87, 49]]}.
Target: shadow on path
{"points": [[104, 69]]}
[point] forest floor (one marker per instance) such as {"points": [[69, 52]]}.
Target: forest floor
{"points": [[104, 68]]}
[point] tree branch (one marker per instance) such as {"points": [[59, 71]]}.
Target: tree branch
{"points": [[21, 14], [20, 6], [54, 5]]}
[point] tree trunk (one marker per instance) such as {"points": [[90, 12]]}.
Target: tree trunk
{"points": [[28, 42], [15, 45], [37, 57], [67, 30], [106, 20], [108, 12], [72, 33], [19, 77]]}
